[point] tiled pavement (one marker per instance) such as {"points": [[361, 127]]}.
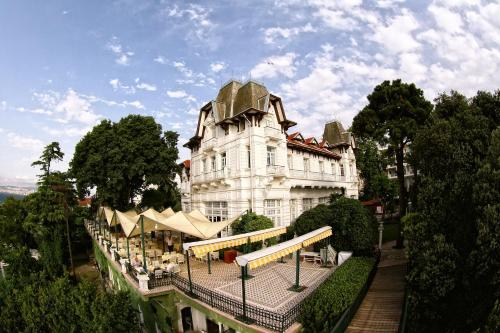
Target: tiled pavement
{"points": [[268, 287]]}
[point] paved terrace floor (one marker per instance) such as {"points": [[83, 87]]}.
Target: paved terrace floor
{"points": [[381, 308], [267, 289]]}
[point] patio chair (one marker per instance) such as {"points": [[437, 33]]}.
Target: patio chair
{"points": [[215, 255], [177, 269], [180, 258], [158, 273]]}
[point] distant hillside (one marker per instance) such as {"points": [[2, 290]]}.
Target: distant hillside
{"points": [[5, 195]]}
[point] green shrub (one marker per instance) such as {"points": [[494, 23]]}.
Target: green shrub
{"points": [[252, 222], [353, 228], [323, 309]]}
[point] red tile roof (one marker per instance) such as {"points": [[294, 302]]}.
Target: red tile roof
{"points": [[312, 148], [85, 202], [187, 164]]}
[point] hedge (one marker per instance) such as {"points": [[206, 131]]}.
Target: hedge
{"points": [[323, 309]]}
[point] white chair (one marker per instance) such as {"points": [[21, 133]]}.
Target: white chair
{"points": [[215, 255], [180, 258]]}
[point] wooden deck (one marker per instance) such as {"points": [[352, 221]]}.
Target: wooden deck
{"points": [[381, 308]]}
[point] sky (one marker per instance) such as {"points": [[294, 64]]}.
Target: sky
{"points": [[66, 65]]}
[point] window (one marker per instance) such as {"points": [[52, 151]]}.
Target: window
{"points": [[307, 203], [333, 168], [223, 160], [272, 209], [342, 170], [249, 157], [216, 211], [293, 210], [290, 162], [323, 200], [204, 165], [271, 155], [321, 167], [241, 126], [214, 163], [306, 164]]}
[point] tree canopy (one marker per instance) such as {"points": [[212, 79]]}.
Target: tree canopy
{"points": [[453, 236], [352, 224], [395, 112], [121, 160]]}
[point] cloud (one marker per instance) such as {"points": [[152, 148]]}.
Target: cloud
{"points": [[122, 56], [146, 86], [275, 65], [3, 105], [191, 77], [396, 35], [278, 34], [24, 142], [119, 86], [217, 66], [135, 104], [181, 94], [195, 21], [161, 60], [69, 131]]}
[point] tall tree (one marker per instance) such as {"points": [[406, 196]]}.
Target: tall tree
{"points": [[122, 159], [394, 113], [51, 152], [453, 238]]}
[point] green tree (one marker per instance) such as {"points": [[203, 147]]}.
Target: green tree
{"points": [[394, 113], [52, 152], [452, 239], [252, 222], [122, 159], [352, 224], [162, 198]]}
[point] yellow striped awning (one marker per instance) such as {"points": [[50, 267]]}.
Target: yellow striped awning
{"points": [[273, 257], [317, 238], [275, 252], [267, 235], [204, 249]]}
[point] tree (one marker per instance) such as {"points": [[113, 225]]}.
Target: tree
{"points": [[52, 152], [252, 222], [353, 227], [452, 239], [394, 113], [122, 159], [162, 198]]}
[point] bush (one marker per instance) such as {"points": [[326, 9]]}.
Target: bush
{"points": [[323, 309], [252, 222], [353, 229]]}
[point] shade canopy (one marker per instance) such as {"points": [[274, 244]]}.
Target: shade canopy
{"points": [[194, 223], [203, 247], [275, 252], [106, 214]]}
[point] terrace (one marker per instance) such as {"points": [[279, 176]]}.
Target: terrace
{"points": [[266, 299]]}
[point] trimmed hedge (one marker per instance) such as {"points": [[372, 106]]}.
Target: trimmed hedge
{"points": [[324, 308]]}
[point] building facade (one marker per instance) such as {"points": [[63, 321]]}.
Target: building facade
{"points": [[244, 159]]}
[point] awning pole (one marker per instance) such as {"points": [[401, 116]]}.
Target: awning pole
{"points": [[143, 247], [163, 241], [243, 273], [297, 269], [128, 251], [208, 259], [189, 273]]}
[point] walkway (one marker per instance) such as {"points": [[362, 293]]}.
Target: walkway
{"points": [[381, 308]]}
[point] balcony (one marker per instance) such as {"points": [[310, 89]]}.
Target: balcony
{"points": [[273, 134], [209, 144], [212, 176], [275, 170]]}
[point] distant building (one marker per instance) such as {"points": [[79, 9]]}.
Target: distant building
{"points": [[244, 158], [392, 169]]}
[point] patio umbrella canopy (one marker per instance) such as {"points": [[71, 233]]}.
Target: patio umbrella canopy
{"points": [[194, 224], [275, 252]]}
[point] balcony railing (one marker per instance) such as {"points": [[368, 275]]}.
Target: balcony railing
{"points": [[277, 321], [275, 170]]}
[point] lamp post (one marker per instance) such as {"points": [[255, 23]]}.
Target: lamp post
{"points": [[380, 233]]}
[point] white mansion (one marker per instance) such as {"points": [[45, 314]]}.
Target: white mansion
{"points": [[243, 158]]}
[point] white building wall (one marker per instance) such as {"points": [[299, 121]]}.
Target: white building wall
{"points": [[239, 185]]}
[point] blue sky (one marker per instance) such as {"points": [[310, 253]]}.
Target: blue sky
{"points": [[66, 65]]}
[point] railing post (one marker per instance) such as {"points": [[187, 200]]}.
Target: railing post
{"points": [[189, 276]]}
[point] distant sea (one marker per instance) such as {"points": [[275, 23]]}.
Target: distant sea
{"points": [[5, 195]]}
